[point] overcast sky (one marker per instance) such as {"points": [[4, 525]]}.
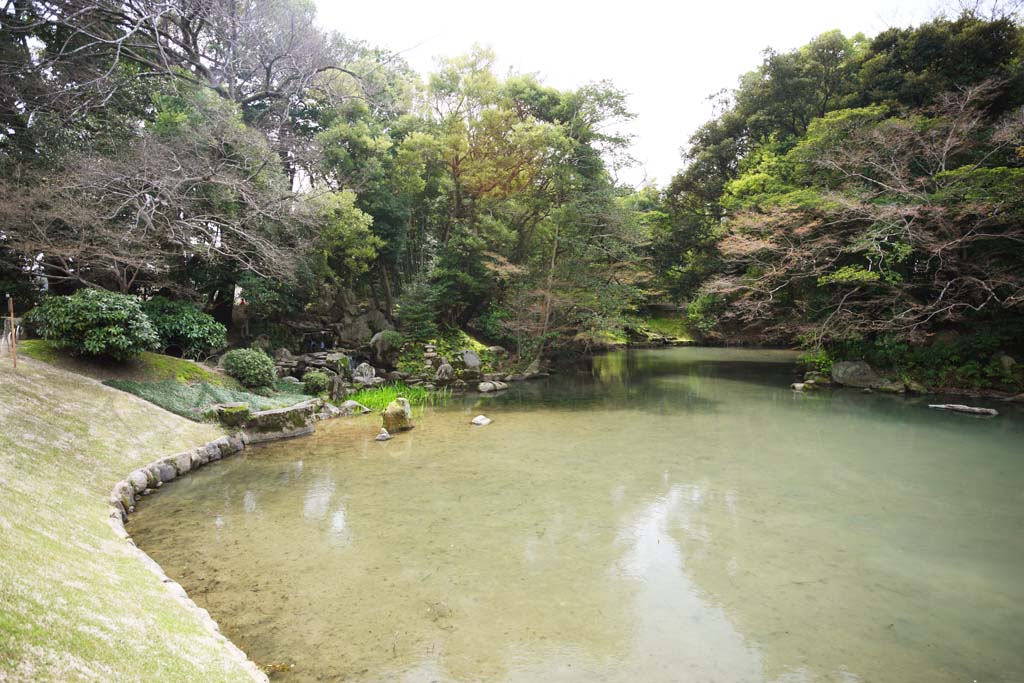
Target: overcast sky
{"points": [[669, 56]]}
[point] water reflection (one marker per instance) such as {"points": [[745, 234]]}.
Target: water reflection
{"points": [[667, 516]]}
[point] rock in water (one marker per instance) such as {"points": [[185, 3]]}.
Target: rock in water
{"points": [[353, 408], [383, 436], [969, 410], [397, 417], [481, 420]]}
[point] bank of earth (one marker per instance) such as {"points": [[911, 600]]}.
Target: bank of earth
{"points": [[77, 603]]}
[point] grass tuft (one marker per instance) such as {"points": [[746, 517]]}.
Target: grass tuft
{"points": [[378, 399]]}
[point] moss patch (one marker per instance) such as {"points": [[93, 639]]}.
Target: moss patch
{"points": [[195, 400], [75, 604], [674, 327], [147, 367], [448, 345]]}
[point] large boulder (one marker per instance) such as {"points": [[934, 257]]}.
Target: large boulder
{"points": [[469, 359], [397, 417], [385, 347], [339, 388], [364, 371], [857, 373], [338, 362], [444, 374]]}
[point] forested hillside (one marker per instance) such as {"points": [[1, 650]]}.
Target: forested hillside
{"points": [[854, 194], [863, 197]]}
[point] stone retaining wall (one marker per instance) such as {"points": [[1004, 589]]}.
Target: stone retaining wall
{"points": [[268, 425], [146, 480]]}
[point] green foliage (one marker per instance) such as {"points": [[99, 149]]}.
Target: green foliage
{"points": [[252, 367], [346, 245], [818, 359], [316, 382], [702, 313], [850, 275], [417, 312], [378, 399], [492, 323], [95, 323], [182, 324], [194, 400]]}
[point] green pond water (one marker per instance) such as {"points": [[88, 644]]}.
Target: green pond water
{"points": [[671, 515]]}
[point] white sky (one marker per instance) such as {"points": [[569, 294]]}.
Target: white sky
{"points": [[669, 56]]}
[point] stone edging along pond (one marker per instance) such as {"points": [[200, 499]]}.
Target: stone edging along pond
{"points": [[146, 480], [269, 425]]}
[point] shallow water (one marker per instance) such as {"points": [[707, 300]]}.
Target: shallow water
{"points": [[671, 515]]}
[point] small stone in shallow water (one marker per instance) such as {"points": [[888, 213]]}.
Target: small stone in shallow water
{"points": [[481, 420], [384, 435]]}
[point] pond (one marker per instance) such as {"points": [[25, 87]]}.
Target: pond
{"points": [[669, 515]]}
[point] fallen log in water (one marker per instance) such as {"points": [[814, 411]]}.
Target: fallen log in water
{"points": [[957, 408]]}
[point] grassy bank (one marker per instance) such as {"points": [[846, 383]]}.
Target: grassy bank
{"points": [[75, 603]]}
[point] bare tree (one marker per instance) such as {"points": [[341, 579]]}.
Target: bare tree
{"points": [[209, 190]]}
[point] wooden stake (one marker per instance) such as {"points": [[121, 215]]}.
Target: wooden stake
{"points": [[14, 334]]}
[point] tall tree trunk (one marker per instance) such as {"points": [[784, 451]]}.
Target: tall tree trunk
{"points": [[546, 319], [389, 301]]}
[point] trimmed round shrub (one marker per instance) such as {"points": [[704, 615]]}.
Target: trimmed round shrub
{"points": [[316, 382], [251, 367], [97, 323], [181, 324]]}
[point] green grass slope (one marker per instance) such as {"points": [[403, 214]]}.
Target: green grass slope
{"points": [[75, 603]]}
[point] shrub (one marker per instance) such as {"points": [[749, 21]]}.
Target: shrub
{"points": [[316, 382], [251, 367], [182, 324], [93, 322]]}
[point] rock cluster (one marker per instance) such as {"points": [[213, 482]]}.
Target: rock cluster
{"points": [[333, 362]]}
